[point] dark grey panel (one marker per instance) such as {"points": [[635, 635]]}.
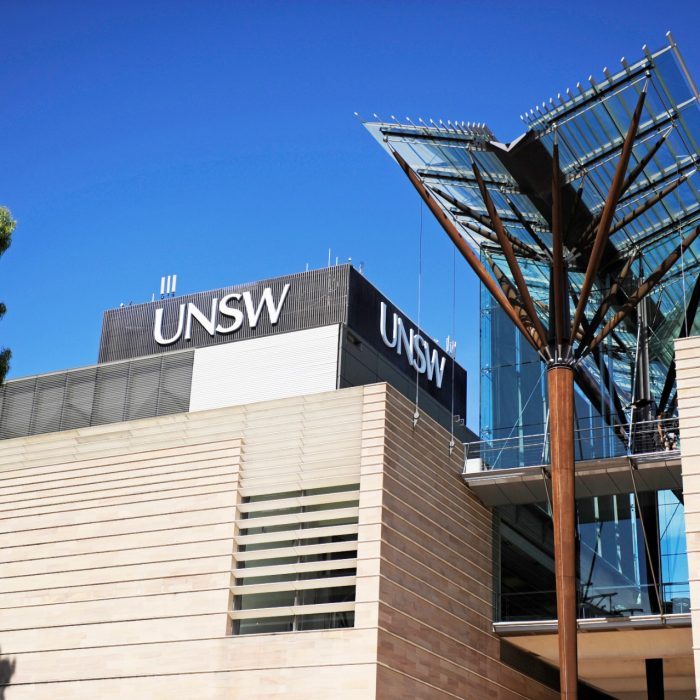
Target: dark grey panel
{"points": [[110, 393], [143, 388], [315, 298], [362, 364], [364, 320], [48, 404], [78, 400], [16, 408]]}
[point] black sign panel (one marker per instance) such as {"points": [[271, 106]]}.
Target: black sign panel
{"points": [[398, 339], [307, 300]]}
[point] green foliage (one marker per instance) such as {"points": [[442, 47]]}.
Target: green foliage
{"points": [[7, 226]]}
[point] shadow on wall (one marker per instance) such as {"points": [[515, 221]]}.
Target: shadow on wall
{"points": [[7, 669]]}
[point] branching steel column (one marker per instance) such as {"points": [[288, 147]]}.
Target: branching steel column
{"points": [[605, 305], [560, 388], [608, 213], [634, 173], [643, 289], [559, 295], [649, 203], [507, 249], [467, 252], [468, 211]]}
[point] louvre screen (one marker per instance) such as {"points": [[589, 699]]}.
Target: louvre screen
{"points": [[143, 388]]}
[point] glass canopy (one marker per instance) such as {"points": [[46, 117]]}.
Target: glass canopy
{"points": [[658, 207]]}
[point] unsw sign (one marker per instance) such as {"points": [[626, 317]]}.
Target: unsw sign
{"points": [[415, 348], [236, 309]]}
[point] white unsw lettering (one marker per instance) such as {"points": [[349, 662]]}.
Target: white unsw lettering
{"points": [[415, 346], [189, 312]]}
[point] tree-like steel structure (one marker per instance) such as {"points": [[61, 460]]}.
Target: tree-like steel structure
{"points": [[573, 229]]}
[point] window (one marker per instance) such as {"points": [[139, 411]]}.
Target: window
{"points": [[296, 560]]}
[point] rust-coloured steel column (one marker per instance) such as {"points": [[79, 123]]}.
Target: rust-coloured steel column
{"points": [[560, 379]]}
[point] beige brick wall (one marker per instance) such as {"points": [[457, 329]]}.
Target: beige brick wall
{"points": [[435, 615], [688, 381], [118, 544]]}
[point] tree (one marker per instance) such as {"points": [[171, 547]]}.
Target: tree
{"points": [[7, 226]]}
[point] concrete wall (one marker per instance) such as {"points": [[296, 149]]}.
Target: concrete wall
{"points": [[263, 369], [119, 547], [688, 381], [436, 596]]}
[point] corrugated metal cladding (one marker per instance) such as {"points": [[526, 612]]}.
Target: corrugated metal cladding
{"points": [[263, 369], [151, 386], [315, 298]]}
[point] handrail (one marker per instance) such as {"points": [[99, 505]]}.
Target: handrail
{"points": [[591, 442]]}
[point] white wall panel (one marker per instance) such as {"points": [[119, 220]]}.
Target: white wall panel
{"points": [[260, 369]]}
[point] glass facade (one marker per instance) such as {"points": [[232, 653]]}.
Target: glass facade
{"points": [[615, 577], [629, 547], [586, 232], [513, 398]]}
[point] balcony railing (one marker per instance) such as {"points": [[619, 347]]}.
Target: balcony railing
{"points": [[598, 601], [590, 442]]}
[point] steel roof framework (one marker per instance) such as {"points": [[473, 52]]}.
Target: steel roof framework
{"points": [[584, 230]]}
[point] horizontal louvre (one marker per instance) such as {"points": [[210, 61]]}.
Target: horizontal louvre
{"points": [[273, 587], [292, 610], [308, 484], [269, 537], [294, 519], [143, 388], [278, 504], [253, 557], [292, 585], [284, 569]]}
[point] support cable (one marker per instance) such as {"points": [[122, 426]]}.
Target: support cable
{"points": [[544, 442], [416, 413], [545, 477], [685, 300], [634, 389], [450, 351]]}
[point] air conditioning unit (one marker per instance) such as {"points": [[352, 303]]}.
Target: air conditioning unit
{"points": [[473, 464]]}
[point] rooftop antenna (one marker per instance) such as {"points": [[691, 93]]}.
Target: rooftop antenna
{"points": [[167, 286]]}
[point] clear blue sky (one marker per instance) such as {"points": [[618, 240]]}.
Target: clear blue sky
{"points": [[216, 140]]}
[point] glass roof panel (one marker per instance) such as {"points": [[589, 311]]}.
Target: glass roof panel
{"points": [[654, 212]]}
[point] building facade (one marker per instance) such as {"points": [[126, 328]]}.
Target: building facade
{"points": [[301, 547], [283, 513]]}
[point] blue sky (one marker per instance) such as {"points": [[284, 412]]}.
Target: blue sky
{"points": [[216, 140]]}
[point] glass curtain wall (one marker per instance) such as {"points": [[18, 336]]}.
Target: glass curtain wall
{"points": [[617, 568], [620, 573]]}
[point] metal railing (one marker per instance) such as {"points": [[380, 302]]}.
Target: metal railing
{"points": [[590, 442], [598, 601]]}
